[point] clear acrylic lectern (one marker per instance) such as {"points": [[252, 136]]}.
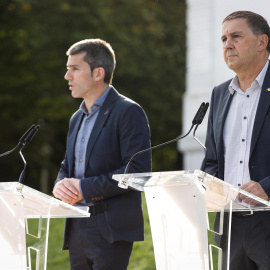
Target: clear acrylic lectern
{"points": [[25, 217], [178, 203]]}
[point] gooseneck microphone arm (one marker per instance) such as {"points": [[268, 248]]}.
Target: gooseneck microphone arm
{"points": [[196, 121], [154, 147], [21, 141], [10, 151]]}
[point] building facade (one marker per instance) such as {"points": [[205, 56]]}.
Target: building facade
{"points": [[205, 65]]}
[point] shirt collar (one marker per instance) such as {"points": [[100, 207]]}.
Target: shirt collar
{"points": [[234, 85], [98, 103]]}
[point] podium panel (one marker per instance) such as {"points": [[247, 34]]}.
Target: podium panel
{"points": [[19, 243], [178, 204], [181, 230], [12, 231]]}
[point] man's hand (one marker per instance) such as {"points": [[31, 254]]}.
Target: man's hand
{"points": [[68, 190], [254, 188]]}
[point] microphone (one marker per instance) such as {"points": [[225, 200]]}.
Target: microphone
{"points": [[26, 139], [21, 141], [26, 134], [198, 113], [202, 113], [31, 135], [197, 120]]}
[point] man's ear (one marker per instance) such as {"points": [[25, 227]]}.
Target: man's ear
{"points": [[263, 42], [99, 74]]}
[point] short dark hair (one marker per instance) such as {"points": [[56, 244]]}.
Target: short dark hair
{"points": [[99, 53], [257, 23]]}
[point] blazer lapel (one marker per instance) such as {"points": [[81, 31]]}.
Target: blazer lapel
{"points": [[104, 112], [221, 121], [72, 140], [263, 105]]}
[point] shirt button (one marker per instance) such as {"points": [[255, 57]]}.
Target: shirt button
{"points": [[241, 161], [83, 139], [245, 117], [239, 185], [247, 96], [243, 140], [81, 159]]}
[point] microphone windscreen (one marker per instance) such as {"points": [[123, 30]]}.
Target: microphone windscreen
{"points": [[31, 135], [195, 119], [202, 114], [25, 135]]}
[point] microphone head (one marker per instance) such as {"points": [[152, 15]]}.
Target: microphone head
{"points": [[26, 134], [202, 113], [195, 119], [31, 135]]}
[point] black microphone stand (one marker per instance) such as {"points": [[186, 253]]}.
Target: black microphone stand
{"points": [[26, 141], [21, 141], [197, 120], [154, 147]]}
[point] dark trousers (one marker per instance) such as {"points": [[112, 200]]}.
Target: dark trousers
{"points": [[250, 242], [88, 250]]}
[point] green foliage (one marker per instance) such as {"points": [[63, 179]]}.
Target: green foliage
{"points": [[149, 41], [148, 38]]}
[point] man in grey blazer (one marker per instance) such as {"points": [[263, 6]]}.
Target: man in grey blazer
{"points": [[103, 135], [238, 133]]}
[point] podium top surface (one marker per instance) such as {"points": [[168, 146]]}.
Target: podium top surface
{"points": [[37, 204], [219, 195]]}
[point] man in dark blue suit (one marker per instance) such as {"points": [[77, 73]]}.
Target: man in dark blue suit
{"points": [[238, 133], [103, 135]]}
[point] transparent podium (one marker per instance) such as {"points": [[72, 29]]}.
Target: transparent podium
{"points": [[179, 204], [25, 218]]}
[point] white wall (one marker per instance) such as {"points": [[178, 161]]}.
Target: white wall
{"points": [[205, 64]]}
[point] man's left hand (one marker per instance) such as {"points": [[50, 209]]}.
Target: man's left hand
{"points": [[254, 188]]}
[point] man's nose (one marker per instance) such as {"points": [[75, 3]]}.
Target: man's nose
{"points": [[228, 44], [67, 75]]}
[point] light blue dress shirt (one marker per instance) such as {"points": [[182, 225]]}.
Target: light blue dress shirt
{"points": [[83, 136]]}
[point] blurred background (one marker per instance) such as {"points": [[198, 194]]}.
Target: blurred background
{"points": [[148, 38], [169, 58]]}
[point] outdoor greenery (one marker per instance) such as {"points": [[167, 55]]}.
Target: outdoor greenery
{"points": [[148, 37]]}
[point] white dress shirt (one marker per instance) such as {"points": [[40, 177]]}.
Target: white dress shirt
{"points": [[238, 129]]}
